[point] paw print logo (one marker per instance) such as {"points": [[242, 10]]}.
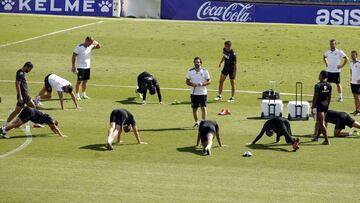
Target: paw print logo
{"points": [[105, 6], [8, 4]]}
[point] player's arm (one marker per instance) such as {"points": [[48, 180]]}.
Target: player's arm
{"points": [[73, 60], [259, 136], [119, 135], [325, 61], [18, 90], [189, 83], [56, 130], [219, 139], [96, 44], [221, 61], [61, 98], [314, 101], [157, 86], [74, 99], [344, 63], [137, 135], [206, 83], [198, 139]]}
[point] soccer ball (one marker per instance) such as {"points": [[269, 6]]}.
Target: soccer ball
{"points": [[247, 154]]}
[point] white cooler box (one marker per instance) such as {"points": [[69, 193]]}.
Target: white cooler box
{"points": [[271, 108], [298, 110]]}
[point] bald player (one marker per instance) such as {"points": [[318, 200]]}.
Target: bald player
{"points": [[207, 131]]}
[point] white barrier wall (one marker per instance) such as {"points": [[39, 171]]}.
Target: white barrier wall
{"points": [[141, 8]]}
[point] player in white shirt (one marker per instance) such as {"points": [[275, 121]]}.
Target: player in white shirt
{"points": [[355, 81], [61, 85], [198, 78], [332, 59], [82, 57]]}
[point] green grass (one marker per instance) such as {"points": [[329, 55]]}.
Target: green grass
{"points": [[169, 169]]}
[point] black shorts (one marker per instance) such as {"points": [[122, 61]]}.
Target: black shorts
{"points": [[25, 115], [345, 120], [83, 74], [26, 100], [116, 118], [198, 101], [355, 88], [333, 77], [204, 131], [228, 71], [47, 84], [322, 107]]}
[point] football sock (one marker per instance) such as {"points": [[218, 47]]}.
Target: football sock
{"points": [[77, 94], [110, 139], [4, 130]]}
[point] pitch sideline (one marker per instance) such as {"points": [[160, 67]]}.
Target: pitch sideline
{"points": [[21, 147]]}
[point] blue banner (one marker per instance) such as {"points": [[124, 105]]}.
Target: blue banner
{"points": [[269, 13], [59, 7]]}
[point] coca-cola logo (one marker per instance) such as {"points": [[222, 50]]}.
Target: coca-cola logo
{"points": [[235, 12]]}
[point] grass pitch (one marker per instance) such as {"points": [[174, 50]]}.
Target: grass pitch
{"points": [[169, 168]]}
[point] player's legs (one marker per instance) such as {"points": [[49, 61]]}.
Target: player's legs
{"points": [[17, 123], [322, 126], [203, 113], [338, 133], [208, 144], [339, 89], [44, 94], [221, 86], [233, 87], [112, 133], [13, 114], [356, 124], [77, 89], [195, 115]]}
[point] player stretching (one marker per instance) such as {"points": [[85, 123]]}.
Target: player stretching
{"points": [[22, 91], [332, 59], [146, 82], [82, 53], [321, 102], [207, 131], [35, 116], [60, 85], [281, 127], [229, 69], [121, 119]]}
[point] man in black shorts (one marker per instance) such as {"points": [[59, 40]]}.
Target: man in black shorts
{"points": [[121, 119], [22, 91], [35, 116], [355, 81], [146, 82], [281, 127], [229, 56], [321, 102], [207, 130]]}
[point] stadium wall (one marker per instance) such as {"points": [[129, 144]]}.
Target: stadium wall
{"points": [[204, 10]]}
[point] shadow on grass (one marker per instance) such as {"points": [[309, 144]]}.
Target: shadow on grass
{"points": [[101, 147], [34, 136], [50, 108], [165, 129], [57, 99], [129, 100], [255, 118], [272, 147], [189, 103], [190, 149]]}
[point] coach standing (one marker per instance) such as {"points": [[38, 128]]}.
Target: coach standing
{"points": [[82, 53], [332, 60], [198, 78], [355, 81]]}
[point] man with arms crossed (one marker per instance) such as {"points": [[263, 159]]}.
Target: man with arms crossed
{"points": [[22, 91], [198, 78], [332, 59], [60, 85], [229, 56], [121, 119], [82, 54], [355, 81], [35, 116], [206, 133]]}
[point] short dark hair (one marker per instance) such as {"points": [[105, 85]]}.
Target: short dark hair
{"points": [[355, 52], [332, 40], [324, 74], [68, 88], [227, 43], [197, 58], [152, 89], [28, 64], [89, 38]]}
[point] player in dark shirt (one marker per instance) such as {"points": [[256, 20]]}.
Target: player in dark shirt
{"points": [[281, 127], [121, 119], [207, 130], [229, 57], [340, 119], [321, 101], [35, 116], [146, 82], [22, 91]]}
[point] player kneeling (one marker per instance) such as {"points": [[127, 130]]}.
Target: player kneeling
{"points": [[121, 119], [207, 130], [35, 116]]}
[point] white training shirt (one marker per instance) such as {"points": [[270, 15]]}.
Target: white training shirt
{"points": [[83, 56], [355, 72], [197, 77], [334, 60], [57, 82]]}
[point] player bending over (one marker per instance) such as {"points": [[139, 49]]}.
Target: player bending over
{"points": [[35, 116], [281, 127], [207, 130], [146, 82], [60, 85], [340, 119], [121, 119]]}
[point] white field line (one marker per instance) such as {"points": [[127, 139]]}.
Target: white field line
{"points": [[167, 88], [21, 147], [49, 34]]}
